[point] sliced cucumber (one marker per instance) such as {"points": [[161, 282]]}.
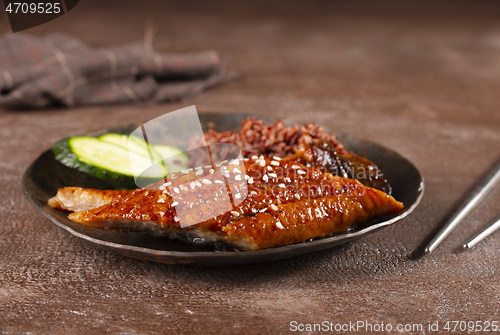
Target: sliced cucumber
{"points": [[132, 143], [108, 161], [173, 158]]}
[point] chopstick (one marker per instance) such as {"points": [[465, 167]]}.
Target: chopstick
{"points": [[475, 198], [488, 230]]}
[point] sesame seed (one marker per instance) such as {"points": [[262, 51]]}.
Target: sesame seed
{"points": [[295, 167], [245, 159], [301, 172], [261, 157], [161, 200], [254, 210], [238, 177], [288, 180], [275, 163], [247, 177], [235, 213], [176, 219], [211, 171], [198, 183], [282, 185], [198, 172], [269, 168], [262, 163], [276, 158], [175, 203], [235, 170], [255, 157], [250, 181], [193, 185], [185, 171], [265, 178], [219, 182], [279, 225], [207, 182], [223, 162], [263, 210], [208, 166], [234, 162], [253, 192], [237, 196], [273, 175], [184, 188], [162, 187], [176, 190], [167, 184], [297, 196], [274, 207]]}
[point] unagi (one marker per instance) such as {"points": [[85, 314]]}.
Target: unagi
{"points": [[248, 204]]}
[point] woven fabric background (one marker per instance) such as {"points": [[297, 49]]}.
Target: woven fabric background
{"points": [[58, 69]]}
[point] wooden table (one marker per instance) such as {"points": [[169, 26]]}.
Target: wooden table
{"points": [[423, 80]]}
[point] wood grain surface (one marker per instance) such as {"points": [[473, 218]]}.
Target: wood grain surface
{"points": [[421, 79]]}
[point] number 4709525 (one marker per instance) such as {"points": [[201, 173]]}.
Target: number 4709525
{"points": [[471, 326], [41, 8]]}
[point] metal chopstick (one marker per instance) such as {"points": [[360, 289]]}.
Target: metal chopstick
{"points": [[477, 195], [494, 225]]}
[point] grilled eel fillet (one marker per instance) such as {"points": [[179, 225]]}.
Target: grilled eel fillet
{"points": [[285, 203]]}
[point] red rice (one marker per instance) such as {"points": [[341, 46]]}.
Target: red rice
{"points": [[255, 138]]}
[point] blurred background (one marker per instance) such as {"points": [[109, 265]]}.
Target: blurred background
{"points": [[346, 57]]}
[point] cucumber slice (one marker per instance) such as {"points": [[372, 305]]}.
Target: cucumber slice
{"points": [[173, 158], [107, 161], [132, 143]]}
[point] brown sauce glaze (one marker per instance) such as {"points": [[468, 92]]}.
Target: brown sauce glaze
{"points": [[282, 202]]}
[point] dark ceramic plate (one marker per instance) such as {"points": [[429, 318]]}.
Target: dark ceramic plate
{"points": [[42, 179]]}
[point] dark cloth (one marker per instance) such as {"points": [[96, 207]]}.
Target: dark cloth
{"points": [[58, 69]]}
